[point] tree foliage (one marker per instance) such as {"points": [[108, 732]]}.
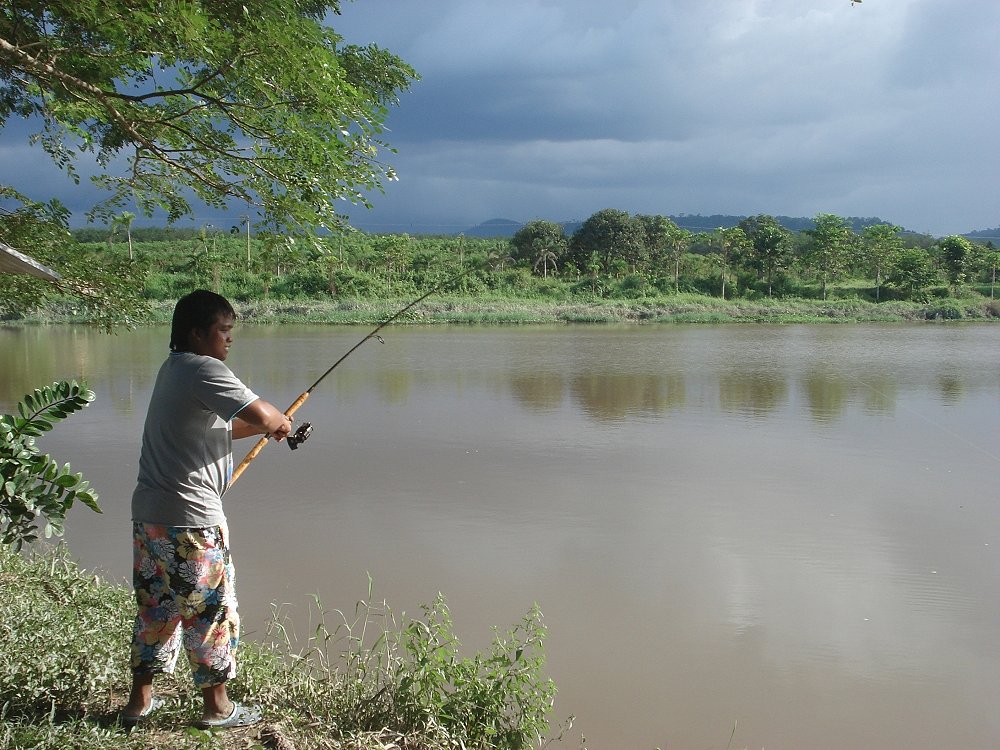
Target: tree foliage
{"points": [[957, 257], [881, 245], [912, 271], [33, 484], [108, 292], [609, 235], [827, 250], [257, 102], [258, 105], [769, 246], [538, 242]]}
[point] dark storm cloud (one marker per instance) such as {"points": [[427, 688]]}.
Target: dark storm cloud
{"points": [[557, 109]]}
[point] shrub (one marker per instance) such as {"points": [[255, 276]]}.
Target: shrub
{"points": [[64, 640], [33, 485], [632, 286], [946, 309]]}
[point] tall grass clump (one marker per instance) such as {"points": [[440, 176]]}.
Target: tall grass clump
{"points": [[362, 681], [369, 675], [63, 637]]}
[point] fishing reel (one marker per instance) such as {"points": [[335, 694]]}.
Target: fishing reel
{"points": [[299, 436]]}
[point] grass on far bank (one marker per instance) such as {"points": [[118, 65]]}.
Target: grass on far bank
{"points": [[361, 682], [484, 310]]}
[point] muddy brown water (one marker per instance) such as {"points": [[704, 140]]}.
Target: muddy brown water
{"points": [[792, 531]]}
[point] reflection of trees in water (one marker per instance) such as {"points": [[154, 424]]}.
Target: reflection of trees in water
{"points": [[21, 357], [880, 394], [37, 356], [827, 395], [394, 386], [617, 395], [34, 357], [756, 394], [951, 388], [541, 392]]}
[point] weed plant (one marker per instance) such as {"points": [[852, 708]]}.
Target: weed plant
{"points": [[362, 681]]}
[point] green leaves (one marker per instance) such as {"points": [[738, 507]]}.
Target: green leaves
{"points": [[34, 486], [261, 103]]}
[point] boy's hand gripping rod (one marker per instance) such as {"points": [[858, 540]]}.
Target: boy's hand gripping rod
{"points": [[305, 429]]}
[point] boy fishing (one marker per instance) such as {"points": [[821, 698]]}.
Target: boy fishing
{"points": [[182, 569]]}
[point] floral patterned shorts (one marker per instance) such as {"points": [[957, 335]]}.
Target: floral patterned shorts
{"points": [[184, 587]]}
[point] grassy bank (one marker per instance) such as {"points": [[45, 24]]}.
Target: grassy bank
{"points": [[680, 308], [360, 680]]}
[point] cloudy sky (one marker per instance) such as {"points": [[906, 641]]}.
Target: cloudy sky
{"points": [[556, 109]]}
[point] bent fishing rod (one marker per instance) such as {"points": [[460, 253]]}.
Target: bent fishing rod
{"points": [[303, 432]]}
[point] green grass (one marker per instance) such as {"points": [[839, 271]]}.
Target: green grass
{"points": [[358, 679], [685, 307]]}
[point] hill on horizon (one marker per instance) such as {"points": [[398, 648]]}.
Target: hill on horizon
{"points": [[506, 228]]}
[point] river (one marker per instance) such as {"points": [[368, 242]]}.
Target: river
{"points": [[740, 536]]}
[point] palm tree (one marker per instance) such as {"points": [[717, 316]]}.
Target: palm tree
{"points": [[245, 220], [500, 256], [126, 220], [545, 256]]}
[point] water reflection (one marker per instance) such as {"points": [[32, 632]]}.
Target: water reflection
{"points": [[827, 394], [754, 394], [615, 396], [538, 392]]}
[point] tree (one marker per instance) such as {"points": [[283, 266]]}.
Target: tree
{"points": [[536, 234], [827, 250], [501, 255], [611, 234], [125, 218], [680, 241], [108, 292], [245, 221], [881, 243], [545, 256], [957, 256], [991, 260], [769, 246], [912, 271], [658, 232], [731, 242], [258, 102]]}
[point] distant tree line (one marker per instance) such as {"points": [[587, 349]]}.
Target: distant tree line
{"points": [[611, 254], [759, 255]]}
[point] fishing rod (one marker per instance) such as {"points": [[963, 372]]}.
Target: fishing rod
{"points": [[303, 432]]}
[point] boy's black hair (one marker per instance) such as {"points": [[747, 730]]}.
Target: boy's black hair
{"points": [[197, 310]]}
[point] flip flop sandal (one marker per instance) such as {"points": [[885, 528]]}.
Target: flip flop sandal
{"points": [[242, 716], [155, 704]]}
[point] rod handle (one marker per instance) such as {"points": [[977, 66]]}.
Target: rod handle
{"points": [[259, 445]]}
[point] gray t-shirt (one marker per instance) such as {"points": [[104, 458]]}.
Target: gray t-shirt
{"points": [[186, 460]]}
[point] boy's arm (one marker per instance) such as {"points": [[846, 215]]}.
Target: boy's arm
{"points": [[261, 418]]}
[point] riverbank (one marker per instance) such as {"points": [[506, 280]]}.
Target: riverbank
{"points": [[64, 677], [681, 308]]}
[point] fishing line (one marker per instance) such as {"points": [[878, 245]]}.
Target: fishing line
{"points": [[303, 432], [936, 425]]}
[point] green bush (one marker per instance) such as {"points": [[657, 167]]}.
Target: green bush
{"points": [[33, 485], [945, 309], [632, 286], [300, 283], [64, 640]]}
